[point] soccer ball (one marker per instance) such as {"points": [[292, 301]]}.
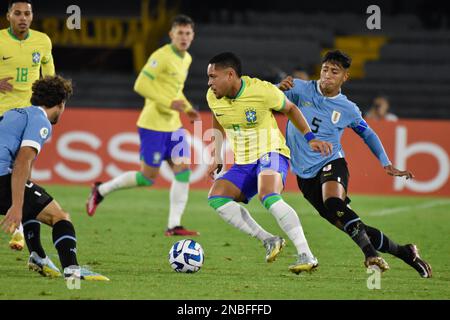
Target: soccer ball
{"points": [[186, 256]]}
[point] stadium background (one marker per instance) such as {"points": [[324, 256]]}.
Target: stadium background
{"points": [[408, 60]]}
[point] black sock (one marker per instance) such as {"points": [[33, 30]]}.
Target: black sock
{"points": [[352, 225], [32, 233], [382, 243], [65, 243]]}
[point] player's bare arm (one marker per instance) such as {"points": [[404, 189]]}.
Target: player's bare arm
{"points": [[299, 121], [219, 136], [5, 86], [20, 174]]}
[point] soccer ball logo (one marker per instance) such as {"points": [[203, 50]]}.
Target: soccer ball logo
{"points": [[186, 256]]}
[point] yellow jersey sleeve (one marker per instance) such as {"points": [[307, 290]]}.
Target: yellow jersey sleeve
{"points": [[148, 83], [186, 101], [275, 98], [47, 64]]}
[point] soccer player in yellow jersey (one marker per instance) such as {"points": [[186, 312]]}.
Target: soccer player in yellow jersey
{"points": [[24, 53], [242, 109], [162, 136]]}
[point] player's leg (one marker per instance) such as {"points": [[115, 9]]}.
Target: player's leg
{"points": [[178, 158], [334, 196], [65, 241], [334, 180], [224, 196], [271, 170], [152, 149], [179, 194], [409, 253]]}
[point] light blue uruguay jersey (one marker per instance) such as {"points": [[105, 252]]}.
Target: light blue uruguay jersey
{"points": [[19, 128], [327, 117]]}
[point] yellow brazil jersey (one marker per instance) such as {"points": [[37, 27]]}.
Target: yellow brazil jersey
{"points": [[160, 82], [22, 60], [248, 119]]}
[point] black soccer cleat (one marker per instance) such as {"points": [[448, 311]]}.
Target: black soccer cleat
{"points": [[415, 261]]}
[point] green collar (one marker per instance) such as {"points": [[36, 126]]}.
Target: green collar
{"points": [[240, 90], [176, 51], [12, 35]]}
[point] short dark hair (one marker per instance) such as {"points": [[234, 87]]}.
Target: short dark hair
{"points": [[182, 20], [339, 57], [11, 2], [51, 91], [228, 60]]}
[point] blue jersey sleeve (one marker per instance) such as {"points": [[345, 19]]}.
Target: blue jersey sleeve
{"points": [[36, 133], [372, 140], [294, 94]]}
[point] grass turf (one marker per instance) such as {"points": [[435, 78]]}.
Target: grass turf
{"points": [[125, 242]]}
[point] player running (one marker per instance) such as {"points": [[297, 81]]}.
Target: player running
{"points": [[23, 133], [324, 181], [162, 136], [243, 108], [24, 53]]}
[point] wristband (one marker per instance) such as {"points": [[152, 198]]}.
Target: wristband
{"points": [[309, 136]]}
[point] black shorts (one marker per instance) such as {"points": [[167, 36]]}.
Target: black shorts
{"points": [[335, 170], [35, 198]]}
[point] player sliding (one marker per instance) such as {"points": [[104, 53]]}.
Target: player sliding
{"points": [[324, 181], [23, 132], [242, 108], [162, 136]]}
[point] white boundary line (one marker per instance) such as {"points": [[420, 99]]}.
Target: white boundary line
{"points": [[426, 205]]}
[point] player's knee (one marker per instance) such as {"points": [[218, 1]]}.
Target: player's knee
{"points": [[335, 205], [59, 215], [145, 178]]}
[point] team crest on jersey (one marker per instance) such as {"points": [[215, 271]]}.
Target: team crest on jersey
{"points": [[250, 114], [36, 58], [44, 133], [335, 117], [306, 103]]}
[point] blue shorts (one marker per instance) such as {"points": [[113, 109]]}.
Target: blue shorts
{"points": [[157, 146], [245, 176]]}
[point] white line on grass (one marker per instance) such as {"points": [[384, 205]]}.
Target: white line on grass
{"points": [[426, 205]]}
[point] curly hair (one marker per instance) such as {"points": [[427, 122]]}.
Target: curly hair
{"points": [[51, 91]]}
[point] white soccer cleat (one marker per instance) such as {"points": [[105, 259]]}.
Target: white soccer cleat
{"points": [[44, 266], [273, 247], [304, 263]]}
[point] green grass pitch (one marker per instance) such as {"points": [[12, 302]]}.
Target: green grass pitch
{"points": [[125, 242]]}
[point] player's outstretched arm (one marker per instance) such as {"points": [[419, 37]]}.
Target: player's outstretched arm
{"points": [[299, 121], [375, 145], [20, 174]]}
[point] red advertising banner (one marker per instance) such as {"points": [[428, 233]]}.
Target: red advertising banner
{"points": [[97, 144]]}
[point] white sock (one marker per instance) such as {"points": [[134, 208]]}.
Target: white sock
{"points": [[290, 223], [125, 180], [19, 229], [238, 216], [179, 192]]}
